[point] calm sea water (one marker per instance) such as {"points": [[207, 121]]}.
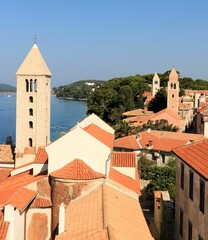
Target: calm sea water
{"points": [[64, 115]]}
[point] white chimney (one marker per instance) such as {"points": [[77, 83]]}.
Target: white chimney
{"points": [[62, 209]]}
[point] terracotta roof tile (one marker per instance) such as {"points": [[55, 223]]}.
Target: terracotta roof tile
{"points": [[202, 109], [21, 198], [41, 156], [4, 173], [3, 227], [166, 141], [12, 185], [128, 142], [123, 159], [124, 215], [6, 155], [100, 134], [106, 208], [77, 170], [137, 112], [130, 183], [195, 155], [41, 203]]}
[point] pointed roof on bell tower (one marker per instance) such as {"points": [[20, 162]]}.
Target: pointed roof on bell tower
{"points": [[156, 77], [173, 75], [34, 64]]}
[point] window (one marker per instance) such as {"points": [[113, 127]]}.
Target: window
{"points": [[191, 180], [181, 223], [189, 230], [156, 82], [182, 175], [27, 85], [30, 124], [174, 85], [31, 85], [202, 195], [31, 112], [35, 85], [30, 142], [31, 99], [172, 95]]}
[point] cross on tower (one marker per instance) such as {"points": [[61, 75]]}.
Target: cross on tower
{"points": [[35, 38]]}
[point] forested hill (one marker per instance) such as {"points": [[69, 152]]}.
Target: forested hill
{"points": [[7, 88], [77, 90]]}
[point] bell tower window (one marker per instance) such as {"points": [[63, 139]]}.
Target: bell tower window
{"points": [[27, 85], [30, 124], [31, 85], [35, 85], [31, 99], [31, 112], [30, 142]]}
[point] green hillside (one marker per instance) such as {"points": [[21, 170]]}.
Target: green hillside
{"points": [[7, 88], [77, 90]]}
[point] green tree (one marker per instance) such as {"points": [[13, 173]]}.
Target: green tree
{"points": [[161, 177], [159, 102]]}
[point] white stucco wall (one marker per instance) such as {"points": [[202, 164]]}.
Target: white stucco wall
{"points": [[206, 129], [16, 226], [128, 171], [93, 118], [77, 144]]}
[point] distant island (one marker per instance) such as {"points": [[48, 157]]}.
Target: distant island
{"points": [[80, 90], [6, 88]]}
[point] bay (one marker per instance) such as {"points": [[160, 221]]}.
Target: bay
{"points": [[64, 115]]}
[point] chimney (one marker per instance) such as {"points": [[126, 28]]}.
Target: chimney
{"points": [[61, 227], [150, 143]]}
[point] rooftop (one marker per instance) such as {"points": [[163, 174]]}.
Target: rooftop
{"points": [[6, 155], [41, 156], [100, 134], [34, 64], [195, 155], [105, 214], [77, 170], [128, 142], [123, 159]]}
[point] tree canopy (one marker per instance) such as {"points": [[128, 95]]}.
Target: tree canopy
{"points": [[116, 96]]}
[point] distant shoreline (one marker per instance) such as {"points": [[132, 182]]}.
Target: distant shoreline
{"points": [[77, 99], [2, 92]]}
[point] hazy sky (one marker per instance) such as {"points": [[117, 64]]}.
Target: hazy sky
{"points": [[102, 39]]}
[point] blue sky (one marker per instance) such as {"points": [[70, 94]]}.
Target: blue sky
{"points": [[102, 39]]}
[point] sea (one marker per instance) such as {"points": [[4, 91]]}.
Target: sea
{"points": [[64, 115]]}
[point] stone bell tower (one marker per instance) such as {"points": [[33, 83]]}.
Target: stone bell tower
{"points": [[32, 103], [173, 91]]}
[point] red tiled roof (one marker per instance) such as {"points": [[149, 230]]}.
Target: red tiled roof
{"points": [[6, 155], [41, 203], [100, 134], [41, 156], [21, 198], [123, 159], [128, 142], [195, 155], [3, 227], [125, 181], [202, 109], [168, 111], [4, 173], [147, 94], [166, 141], [77, 170], [96, 214], [13, 184]]}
